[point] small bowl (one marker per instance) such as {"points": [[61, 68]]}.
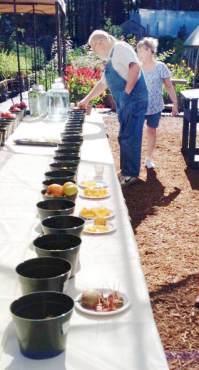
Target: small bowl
{"points": [[59, 181], [68, 175], [43, 274], [62, 197], [53, 207], [67, 158], [63, 246], [63, 165], [63, 225], [42, 320]]}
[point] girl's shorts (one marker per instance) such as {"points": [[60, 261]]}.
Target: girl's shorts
{"points": [[152, 120]]}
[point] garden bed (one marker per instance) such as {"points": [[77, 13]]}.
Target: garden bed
{"points": [[165, 219]]}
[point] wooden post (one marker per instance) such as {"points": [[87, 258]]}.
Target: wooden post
{"points": [[18, 56], [59, 51], [34, 43]]}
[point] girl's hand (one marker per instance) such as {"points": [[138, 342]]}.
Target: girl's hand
{"points": [[175, 109]]}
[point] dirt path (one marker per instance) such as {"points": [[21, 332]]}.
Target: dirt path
{"points": [[164, 208]]}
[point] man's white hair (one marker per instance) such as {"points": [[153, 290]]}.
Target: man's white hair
{"points": [[100, 35]]}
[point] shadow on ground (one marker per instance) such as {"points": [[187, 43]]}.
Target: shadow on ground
{"points": [[193, 177], [143, 198]]}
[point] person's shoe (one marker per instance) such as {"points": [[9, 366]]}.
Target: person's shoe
{"points": [[128, 180], [149, 163]]}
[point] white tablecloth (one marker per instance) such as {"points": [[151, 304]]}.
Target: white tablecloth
{"points": [[128, 341]]}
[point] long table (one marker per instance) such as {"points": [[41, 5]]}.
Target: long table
{"points": [[128, 341]]}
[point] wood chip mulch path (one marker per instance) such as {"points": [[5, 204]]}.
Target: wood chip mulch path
{"points": [[164, 208]]}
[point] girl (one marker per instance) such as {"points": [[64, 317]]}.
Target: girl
{"points": [[123, 76], [156, 74]]}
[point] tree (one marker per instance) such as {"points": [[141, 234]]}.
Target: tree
{"points": [[115, 10]]}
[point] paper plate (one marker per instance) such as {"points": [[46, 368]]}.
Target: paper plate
{"points": [[82, 195], [79, 306], [111, 215], [87, 231]]}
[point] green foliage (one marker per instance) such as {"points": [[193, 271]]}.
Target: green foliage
{"points": [[48, 75], [114, 30], [25, 51], [9, 66], [77, 54], [131, 41], [165, 55], [180, 71], [178, 47], [165, 43]]}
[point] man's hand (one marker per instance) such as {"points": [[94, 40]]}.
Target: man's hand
{"points": [[83, 104], [133, 74]]}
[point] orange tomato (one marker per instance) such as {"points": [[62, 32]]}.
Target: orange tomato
{"points": [[55, 189]]}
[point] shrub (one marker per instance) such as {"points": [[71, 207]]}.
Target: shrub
{"points": [[180, 71], [9, 66], [80, 81], [113, 29]]}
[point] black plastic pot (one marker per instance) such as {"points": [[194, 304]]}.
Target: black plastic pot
{"points": [[73, 126], [67, 141], [63, 225], [53, 207], [75, 123], [69, 146], [64, 197], [69, 151], [73, 130], [73, 157], [67, 158], [63, 165], [42, 320], [68, 175], [42, 274], [63, 246], [71, 138]]}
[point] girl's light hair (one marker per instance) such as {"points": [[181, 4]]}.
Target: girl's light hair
{"points": [[100, 35], [149, 43]]}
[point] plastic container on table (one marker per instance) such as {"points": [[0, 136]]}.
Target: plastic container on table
{"points": [[58, 101]]}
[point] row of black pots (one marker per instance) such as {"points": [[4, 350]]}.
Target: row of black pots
{"points": [[42, 315], [67, 156]]}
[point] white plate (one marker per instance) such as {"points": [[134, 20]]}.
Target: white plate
{"points": [[98, 313], [111, 229], [98, 184], [111, 215], [81, 194]]}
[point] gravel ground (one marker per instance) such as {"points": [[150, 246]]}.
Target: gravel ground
{"points": [[164, 209]]}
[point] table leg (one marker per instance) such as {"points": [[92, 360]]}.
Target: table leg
{"points": [[193, 132], [186, 128]]}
